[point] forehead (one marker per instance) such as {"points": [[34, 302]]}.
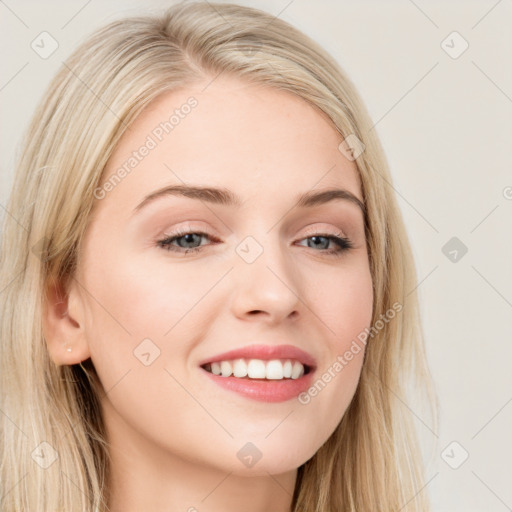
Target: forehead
{"points": [[260, 142]]}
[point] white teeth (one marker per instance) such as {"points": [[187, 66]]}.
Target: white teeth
{"points": [[274, 369], [216, 368], [226, 368], [298, 370], [287, 369], [240, 368], [256, 369]]}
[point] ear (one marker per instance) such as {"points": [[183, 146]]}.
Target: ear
{"points": [[63, 324]]}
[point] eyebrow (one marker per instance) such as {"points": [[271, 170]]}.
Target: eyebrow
{"points": [[225, 197]]}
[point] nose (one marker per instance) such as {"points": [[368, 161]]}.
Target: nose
{"points": [[265, 288]]}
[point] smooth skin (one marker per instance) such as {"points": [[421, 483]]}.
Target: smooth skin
{"points": [[174, 434]]}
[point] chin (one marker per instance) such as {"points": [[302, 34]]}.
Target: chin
{"points": [[253, 459]]}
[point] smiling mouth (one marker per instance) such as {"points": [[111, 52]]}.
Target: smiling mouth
{"points": [[258, 369]]}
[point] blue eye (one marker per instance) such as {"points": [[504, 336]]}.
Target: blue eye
{"points": [[185, 239], [341, 243], [185, 242]]}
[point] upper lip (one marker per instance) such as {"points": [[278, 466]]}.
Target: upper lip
{"points": [[265, 352]]}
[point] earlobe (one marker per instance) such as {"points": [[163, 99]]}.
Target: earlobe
{"points": [[63, 325]]}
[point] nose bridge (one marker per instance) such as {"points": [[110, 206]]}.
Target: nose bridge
{"points": [[265, 281]]}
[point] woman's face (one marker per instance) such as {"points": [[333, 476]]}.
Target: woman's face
{"points": [[266, 274]]}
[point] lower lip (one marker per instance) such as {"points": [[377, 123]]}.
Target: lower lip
{"points": [[264, 390]]}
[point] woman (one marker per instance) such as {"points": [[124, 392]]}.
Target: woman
{"points": [[143, 369]]}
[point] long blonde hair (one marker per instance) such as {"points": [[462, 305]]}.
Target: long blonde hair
{"points": [[372, 461]]}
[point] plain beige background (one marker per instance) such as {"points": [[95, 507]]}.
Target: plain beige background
{"points": [[445, 121]]}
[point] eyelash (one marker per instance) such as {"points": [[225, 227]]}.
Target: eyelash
{"points": [[343, 243]]}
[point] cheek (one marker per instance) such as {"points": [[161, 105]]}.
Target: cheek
{"points": [[129, 312], [345, 309], [137, 300], [343, 301], [142, 312]]}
